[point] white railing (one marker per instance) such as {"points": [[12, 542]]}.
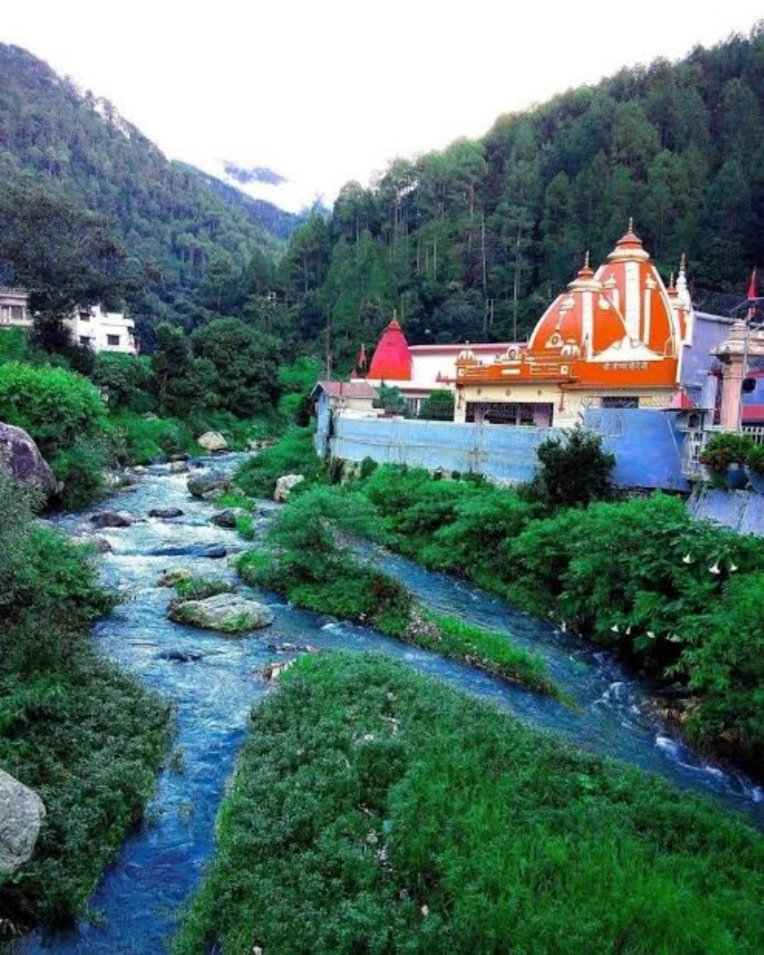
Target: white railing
{"points": [[755, 432]]}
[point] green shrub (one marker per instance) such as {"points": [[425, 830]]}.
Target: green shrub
{"points": [[197, 588], [725, 448], [755, 458], [81, 468], [294, 453], [126, 381], [573, 470], [57, 407], [139, 440]]}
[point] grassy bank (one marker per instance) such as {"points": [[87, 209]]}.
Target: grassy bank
{"points": [[86, 737], [308, 562], [375, 810]]}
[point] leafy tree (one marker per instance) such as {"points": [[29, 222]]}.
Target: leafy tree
{"points": [[438, 406], [245, 363], [573, 470]]}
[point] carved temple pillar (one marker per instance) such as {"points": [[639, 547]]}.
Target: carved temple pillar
{"points": [[735, 353]]}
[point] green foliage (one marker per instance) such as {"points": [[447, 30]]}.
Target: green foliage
{"points": [[423, 821], [438, 406], [81, 468], [294, 453], [755, 458], [139, 440], [573, 470], [87, 738], [125, 381], [198, 588], [57, 407], [391, 400], [725, 448]]}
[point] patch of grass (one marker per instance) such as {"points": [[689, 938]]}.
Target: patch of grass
{"points": [[375, 810], [294, 453], [198, 588]]}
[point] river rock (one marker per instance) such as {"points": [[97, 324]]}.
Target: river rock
{"points": [[228, 613], [273, 670], [21, 815], [284, 486], [181, 656], [214, 552], [171, 577], [20, 457], [179, 467], [212, 441], [200, 485], [139, 469], [178, 457], [166, 512], [228, 517], [111, 519]]}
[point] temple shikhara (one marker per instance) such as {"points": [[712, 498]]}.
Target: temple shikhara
{"points": [[614, 338]]}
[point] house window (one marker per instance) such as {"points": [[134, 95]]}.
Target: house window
{"points": [[112, 339], [620, 401], [84, 340], [17, 313]]}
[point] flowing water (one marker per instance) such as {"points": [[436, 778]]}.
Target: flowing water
{"points": [[137, 904]]}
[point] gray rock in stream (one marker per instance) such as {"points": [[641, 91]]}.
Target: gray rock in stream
{"points": [[20, 457], [200, 485], [166, 512], [112, 519], [228, 613], [228, 517], [21, 815]]}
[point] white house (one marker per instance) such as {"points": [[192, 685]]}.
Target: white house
{"points": [[14, 308], [103, 331]]}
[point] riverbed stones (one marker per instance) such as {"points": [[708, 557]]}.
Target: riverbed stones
{"points": [[166, 513], [179, 467], [213, 442], [21, 815], [21, 459], [284, 486], [228, 517], [228, 613], [202, 485], [111, 519]]}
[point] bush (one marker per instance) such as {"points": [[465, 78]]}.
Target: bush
{"points": [[57, 407], [573, 470], [438, 406], [81, 468], [294, 453], [139, 440], [725, 448], [755, 458], [126, 381]]}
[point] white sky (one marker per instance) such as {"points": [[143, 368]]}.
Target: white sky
{"points": [[328, 91]]}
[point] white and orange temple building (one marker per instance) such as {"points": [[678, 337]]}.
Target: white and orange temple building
{"points": [[615, 338]]}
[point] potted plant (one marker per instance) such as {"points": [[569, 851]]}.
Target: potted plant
{"points": [[725, 456], [755, 465]]}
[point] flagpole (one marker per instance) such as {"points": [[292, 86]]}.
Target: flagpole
{"points": [[746, 339]]}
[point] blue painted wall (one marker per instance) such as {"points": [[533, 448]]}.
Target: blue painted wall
{"points": [[646, 444], [743, 511]]}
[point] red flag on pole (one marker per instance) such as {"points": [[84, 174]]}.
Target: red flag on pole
{"points": [[752, 286]]}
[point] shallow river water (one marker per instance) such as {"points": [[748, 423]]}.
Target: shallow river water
{"points": [[137, 904]]}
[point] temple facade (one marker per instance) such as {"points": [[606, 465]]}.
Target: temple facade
{"points": [[615, 338]]}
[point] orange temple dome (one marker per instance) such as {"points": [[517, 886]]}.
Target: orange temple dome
{"points": [[392, 359]]}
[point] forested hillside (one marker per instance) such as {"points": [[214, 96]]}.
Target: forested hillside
{"points": [[475, 240], [175, 234]]}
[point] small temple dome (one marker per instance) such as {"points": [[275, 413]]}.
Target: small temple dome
{"points": [[466, 355], [391, 360]]}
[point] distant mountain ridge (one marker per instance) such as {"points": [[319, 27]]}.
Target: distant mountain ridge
{"points": [[171, 217]]}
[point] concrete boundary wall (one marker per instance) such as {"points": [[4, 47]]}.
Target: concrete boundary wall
{"points": [[645, 443], [742, 511], [500, 453]]}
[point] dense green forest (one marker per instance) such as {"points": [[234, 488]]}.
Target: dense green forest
{"points": [[473, 241], [173, 233]]}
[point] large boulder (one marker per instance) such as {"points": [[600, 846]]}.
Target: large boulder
{"points": [[206, 482], [284, 486], [213, 442], [228, 517], [228, 613], [20, 457], [21, 815], [111, 519]]}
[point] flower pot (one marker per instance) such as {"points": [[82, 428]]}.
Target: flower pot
{"points": [[757, 481], [736, 477]]}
